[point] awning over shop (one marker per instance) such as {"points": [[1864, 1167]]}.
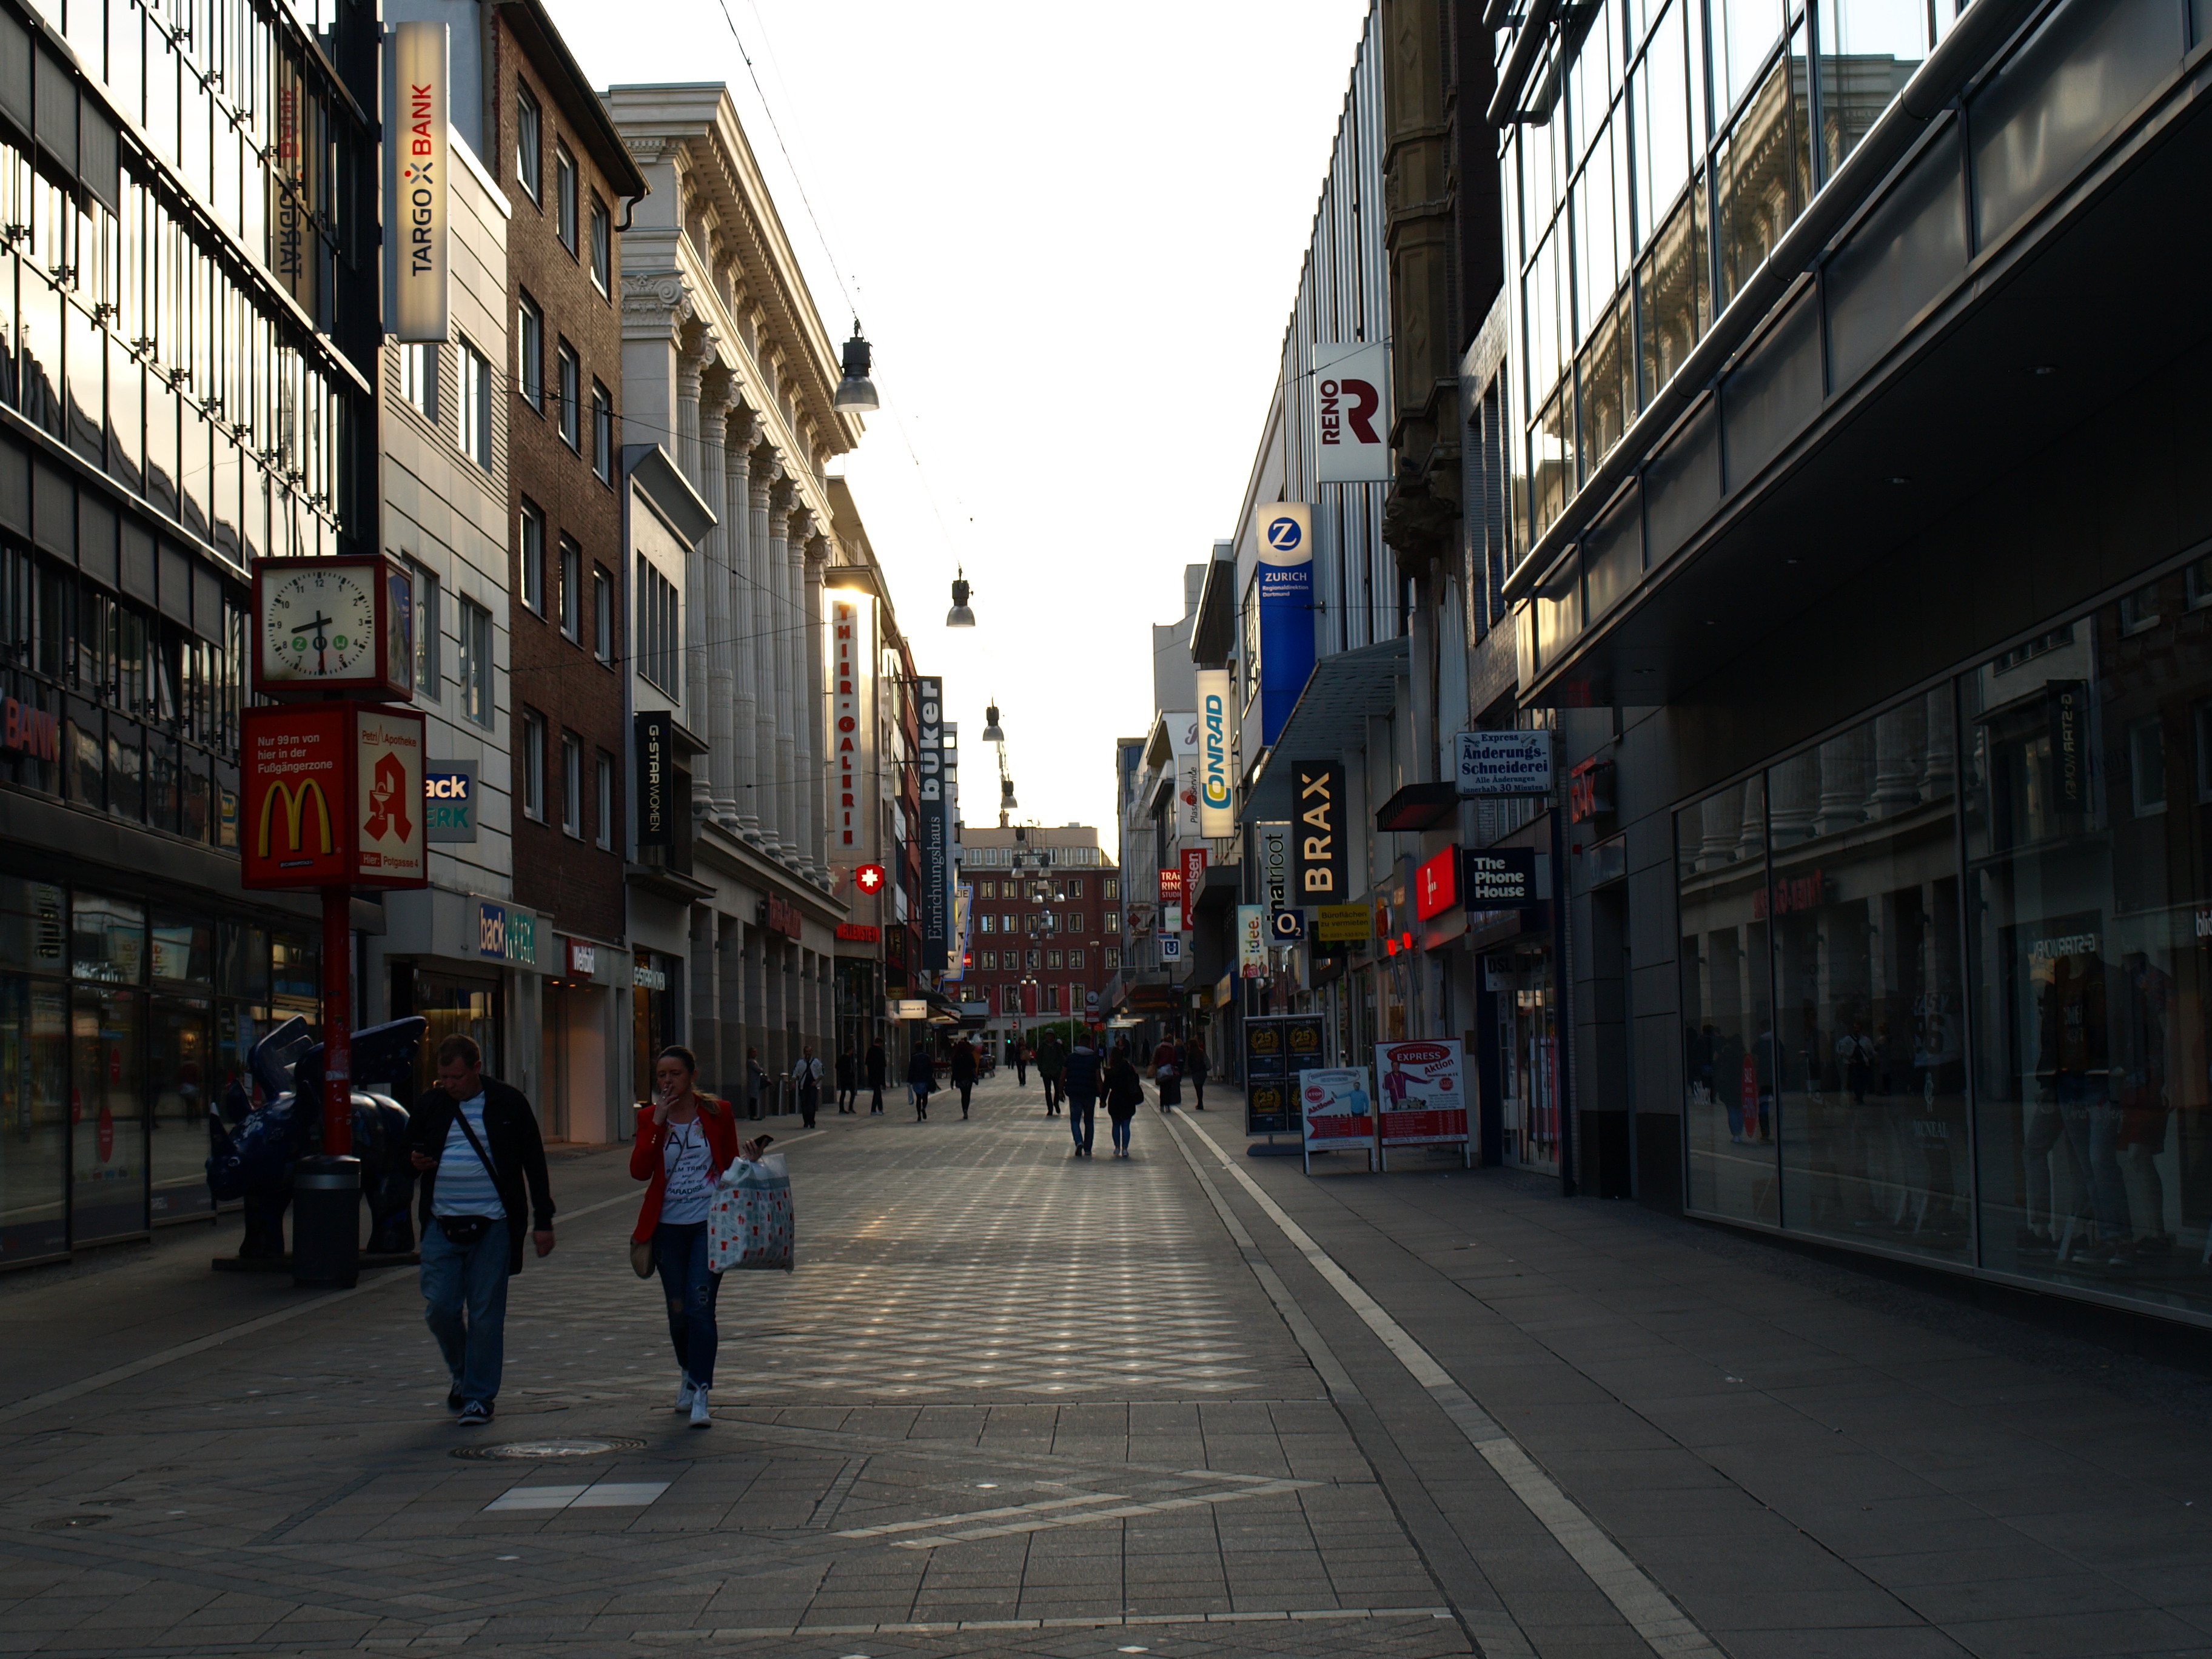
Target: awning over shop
{"points": [[1343, 693]]}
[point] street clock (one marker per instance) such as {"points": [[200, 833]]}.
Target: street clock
{"points": [[342, 626]]}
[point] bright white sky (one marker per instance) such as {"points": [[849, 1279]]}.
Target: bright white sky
{"points": [[1074, 249]]}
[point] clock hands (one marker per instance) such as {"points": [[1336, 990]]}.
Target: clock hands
{"points": [[318, 622]]}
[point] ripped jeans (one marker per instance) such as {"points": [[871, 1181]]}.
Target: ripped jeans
{"points": [[680, 1253]]}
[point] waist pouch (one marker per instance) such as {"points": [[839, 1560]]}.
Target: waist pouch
{"points": [[463, 1230]]}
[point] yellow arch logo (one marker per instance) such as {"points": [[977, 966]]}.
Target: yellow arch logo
{"points": [[296, 806]]}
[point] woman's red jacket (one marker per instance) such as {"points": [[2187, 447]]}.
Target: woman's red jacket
{"points": [[647, 1163]]}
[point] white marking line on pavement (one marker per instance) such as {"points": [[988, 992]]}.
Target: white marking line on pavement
{"points": [[1665, 1628], [98, 1380], [1123, 1512], [754, 1632], [982, 1515], [595, 1495]]}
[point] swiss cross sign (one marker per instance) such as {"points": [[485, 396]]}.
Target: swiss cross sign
{"points": [[1436, 884], [869, 878]]}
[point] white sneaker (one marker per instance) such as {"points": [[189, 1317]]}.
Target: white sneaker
{"points": [[685, 1394], [701, 1418]]}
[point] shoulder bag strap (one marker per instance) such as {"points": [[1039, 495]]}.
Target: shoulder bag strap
{"points": [[461, 1117]]}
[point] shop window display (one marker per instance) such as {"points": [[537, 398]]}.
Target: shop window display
{"points": [[1727, 1004]]}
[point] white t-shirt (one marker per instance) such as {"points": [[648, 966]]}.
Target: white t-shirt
{"points": [[464, 1186], [690, 1163]]}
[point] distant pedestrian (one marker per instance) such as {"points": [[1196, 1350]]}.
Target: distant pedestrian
{"points": [[878, 1066], [682, 1143], [807, 1074], [1165, 1074], [1196, 1069], [848, 1079], [920, 1079], [756, 1086], [963, 1073], [1078, 1082], [1051, 1055], [1124, 1092], [475, 1142], [1021, 1064]]}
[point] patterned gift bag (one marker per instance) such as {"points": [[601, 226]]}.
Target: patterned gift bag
{"points": [[750, 1222]]}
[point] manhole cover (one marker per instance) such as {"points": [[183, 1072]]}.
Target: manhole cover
{"points": [[537, 1451], [63, 1522]]}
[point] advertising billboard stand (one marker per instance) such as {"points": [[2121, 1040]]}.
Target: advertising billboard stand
{"points": [[1422, 1096], [1277, 1047], [1340, 1112]]}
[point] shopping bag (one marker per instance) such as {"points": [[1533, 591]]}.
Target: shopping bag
{"points": [[749, 1219]]}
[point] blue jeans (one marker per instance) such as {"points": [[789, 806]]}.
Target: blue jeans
{"points": [[1121, 1132], [472, 1277], [680, 1253], [1080, 1120]]}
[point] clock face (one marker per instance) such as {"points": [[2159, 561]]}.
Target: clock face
{"points": [[319, 624]]}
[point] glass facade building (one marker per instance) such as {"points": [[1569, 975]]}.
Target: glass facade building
{"points": [[1947, 975]]}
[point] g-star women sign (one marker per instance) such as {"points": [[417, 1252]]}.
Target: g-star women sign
{"points": [[333, 625]]}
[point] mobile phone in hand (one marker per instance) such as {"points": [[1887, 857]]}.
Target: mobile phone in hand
{"points": [[764, 1139]]}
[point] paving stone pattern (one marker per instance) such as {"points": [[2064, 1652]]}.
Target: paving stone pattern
{"points": [[1016, 1403]]}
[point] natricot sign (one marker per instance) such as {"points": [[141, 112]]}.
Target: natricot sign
{"points": [[1215, 816], [1351, 411]]}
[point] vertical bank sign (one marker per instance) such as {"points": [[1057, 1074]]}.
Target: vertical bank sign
{"points": [[1215, 816], [1284, 577], [936, 831], [1351, 411], [852, 656], [416, 149]]}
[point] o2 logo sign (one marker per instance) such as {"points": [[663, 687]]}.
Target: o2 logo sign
{"points": [[1285, 534]]}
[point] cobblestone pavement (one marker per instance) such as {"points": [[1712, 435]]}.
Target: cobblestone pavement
{"points": [[1016, 1403]]}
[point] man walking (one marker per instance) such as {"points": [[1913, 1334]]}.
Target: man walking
{"points": [[1051, 1055], [878, 1068], [475, 1144], [807, 1074], [1078, 1083], [1195, 1070], [1021, 1063], [848, 1079], [964, 1072]]}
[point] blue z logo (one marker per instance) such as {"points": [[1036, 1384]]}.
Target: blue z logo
{"points": [[1283, 534]]}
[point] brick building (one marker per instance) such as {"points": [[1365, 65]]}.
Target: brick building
{"points": [[1044, 932], [567, 179]]}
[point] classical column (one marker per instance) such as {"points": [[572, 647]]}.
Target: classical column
{"points": [[705, 996], [730, 1006], [786, 750], [1796, 786], [756, 990], [1901, 739], [1844, 764], [743, 430], [689, 365], [722, 647], [762, 554]]}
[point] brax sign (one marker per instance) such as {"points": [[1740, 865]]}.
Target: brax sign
{"points": [[1351, 411], [1317, 851]]}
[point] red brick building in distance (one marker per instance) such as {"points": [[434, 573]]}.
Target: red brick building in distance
{"points": [[1044, 923]]}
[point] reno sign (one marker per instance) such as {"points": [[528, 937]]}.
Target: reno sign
{"points": [[1215, 816], [1351, 401]]}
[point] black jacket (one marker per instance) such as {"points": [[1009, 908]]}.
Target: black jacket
{"points": [[1124, 1093], [921, 1071], [518, 1157], [963, 1064], [876, 1065]]}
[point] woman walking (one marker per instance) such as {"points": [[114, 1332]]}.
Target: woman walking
{"points": [[848, 1079], [1124, 1094], [920, 1079], [1164, 1075], [684, 1140], [878, 1064], [963, 1073]]}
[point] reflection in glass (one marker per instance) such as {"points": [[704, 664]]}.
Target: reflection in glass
{"points": [[33, 1119], [179, 1062], [1763, 175], [1728, 1007], [1869, 50], [2091, 917], [107, 1110], [1864, 908]]}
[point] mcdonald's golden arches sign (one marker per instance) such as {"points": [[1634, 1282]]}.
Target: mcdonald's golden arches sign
{"points": [[332, 795]]}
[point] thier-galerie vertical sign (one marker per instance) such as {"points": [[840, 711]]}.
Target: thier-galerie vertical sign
{"points": [[852, 778], [417, 147]]}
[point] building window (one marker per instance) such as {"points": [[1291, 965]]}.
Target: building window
{"points": [[564, 194], [602, 797], [2146, 765], [533, 557], [603, 614], [1075, 958], [570, 600], [571, 391], [1075, 921], [529, 144], [990, 890], [418, 379], [476, 662], [603, 433], [658, 627], [572, 784], [1113, 958], [475, 406], [988, 922], [1052, 998], [1110, 889], [533, 764], [1110, 923], [530, 347], [1075, 887], [2139, 610], [1034, 958], [603, 246], [990, 962], [425, 586]]}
